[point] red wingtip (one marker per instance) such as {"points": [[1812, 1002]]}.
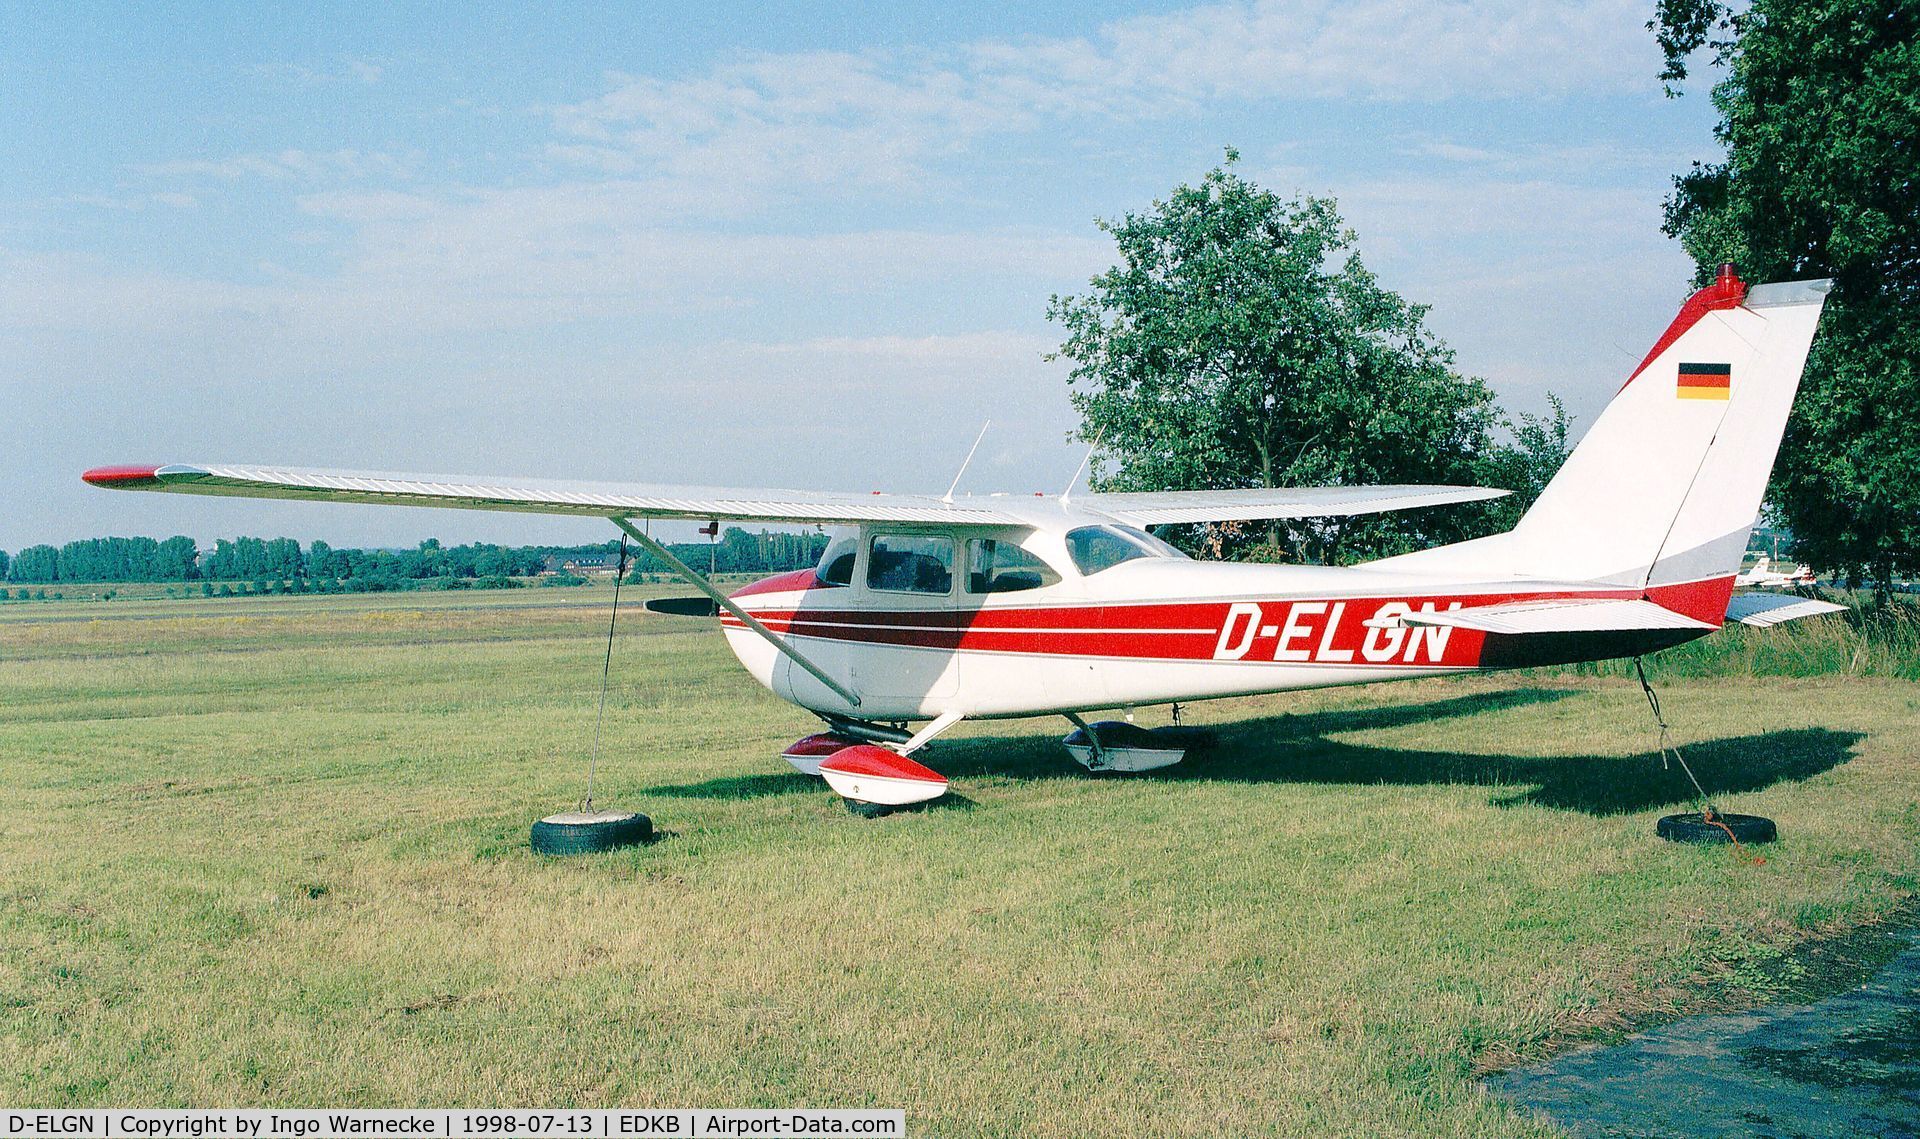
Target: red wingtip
{"points": [[123, 478]]}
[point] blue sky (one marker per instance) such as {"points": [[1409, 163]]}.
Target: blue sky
{"points": [[760, 246]]}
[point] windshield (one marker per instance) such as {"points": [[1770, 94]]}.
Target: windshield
{"points": [[1097, 548]]}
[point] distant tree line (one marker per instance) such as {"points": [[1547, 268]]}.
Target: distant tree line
{"points": [[430, 565]]}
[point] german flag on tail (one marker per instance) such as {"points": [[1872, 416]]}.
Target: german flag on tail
{"points": [[1705, 381]]}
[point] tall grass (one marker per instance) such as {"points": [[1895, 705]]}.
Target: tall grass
{"points": [[282, 860], [1877, 637]]}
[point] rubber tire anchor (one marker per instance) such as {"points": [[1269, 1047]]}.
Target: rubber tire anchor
{"points": [[577, 832], [1693, 826]]}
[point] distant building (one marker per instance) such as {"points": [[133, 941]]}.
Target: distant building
{"points": [[584, 565]]}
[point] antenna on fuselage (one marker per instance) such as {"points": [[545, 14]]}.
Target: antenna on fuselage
{"points": [[948, 497], [1082, 468]]}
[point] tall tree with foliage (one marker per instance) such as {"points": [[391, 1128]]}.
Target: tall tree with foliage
{"points": [[1820, 116], [35, 563], [1240, 342]]}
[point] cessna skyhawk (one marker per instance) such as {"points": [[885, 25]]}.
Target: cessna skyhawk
{"points": [[1764, 576], [930, 610]]}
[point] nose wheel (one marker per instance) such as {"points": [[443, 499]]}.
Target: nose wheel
{"points": [[868, 765]]}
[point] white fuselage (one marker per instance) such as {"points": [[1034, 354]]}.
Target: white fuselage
{"points": [[1150, 630]]}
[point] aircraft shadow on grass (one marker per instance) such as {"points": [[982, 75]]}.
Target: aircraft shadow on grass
{"points": [[1293, 748]]}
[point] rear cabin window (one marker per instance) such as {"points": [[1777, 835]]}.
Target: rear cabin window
{"points": [[994, 566], [836, 565], [910, 563], [1097, 548]]}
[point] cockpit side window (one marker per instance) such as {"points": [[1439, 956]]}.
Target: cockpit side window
{"points": [[994, 566], [1098, 548], [910, 563], [836, 564]]}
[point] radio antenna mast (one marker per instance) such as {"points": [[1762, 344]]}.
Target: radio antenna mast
{"points": [[1082, 468], [948, 497]]}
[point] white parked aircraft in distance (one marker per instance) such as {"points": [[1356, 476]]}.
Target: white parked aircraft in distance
{"points": [[928, 611], [1763, 576]]}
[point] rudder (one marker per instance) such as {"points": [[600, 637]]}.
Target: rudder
{"points": [[1663, 490]]}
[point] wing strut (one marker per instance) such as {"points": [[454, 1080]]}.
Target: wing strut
{"points": [[694, 579]]}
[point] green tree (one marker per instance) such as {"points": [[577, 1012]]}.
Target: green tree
{"points": [[3, 565], [1240, 342], [283, 559], [1820, 116], [35, 564], [1523, 465], [177, 559]]}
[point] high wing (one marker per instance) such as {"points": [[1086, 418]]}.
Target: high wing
{"points": [[539, 496], [646, 500], [1155, 507]]}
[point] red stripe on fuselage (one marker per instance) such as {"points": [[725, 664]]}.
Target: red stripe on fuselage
{"points": [[1302, 630]]}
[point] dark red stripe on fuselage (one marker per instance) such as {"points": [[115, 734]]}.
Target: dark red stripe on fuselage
{"points": [[1303, 631]]}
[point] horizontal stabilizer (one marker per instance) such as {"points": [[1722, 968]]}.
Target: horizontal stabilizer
{"points": [[1766, 609], [1153, 508], [1600, 615]]}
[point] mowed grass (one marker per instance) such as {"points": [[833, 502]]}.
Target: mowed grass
{"points": [[277, 856]]}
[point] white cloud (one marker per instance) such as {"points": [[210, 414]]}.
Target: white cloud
{"points": [[521, 260], [1559, 161], [661, 165], [345, 70], [287, 165], [879, 118], [133, 202], [1454, 152], [971, 348]]}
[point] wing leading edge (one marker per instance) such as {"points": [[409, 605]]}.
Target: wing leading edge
{"points": [[1156, 507], [643, 500], [602, 500]]}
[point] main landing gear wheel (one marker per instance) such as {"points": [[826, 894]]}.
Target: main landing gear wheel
{"points": [[1694, 827], [589, 832], [878, 810]]}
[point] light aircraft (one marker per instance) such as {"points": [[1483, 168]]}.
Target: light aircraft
{"points": [[1763, 576], [927, 611]]}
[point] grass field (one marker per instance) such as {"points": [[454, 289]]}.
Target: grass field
{"points": [[273, 852]]}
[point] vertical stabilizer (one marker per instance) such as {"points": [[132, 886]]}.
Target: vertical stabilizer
{"points": [[1663, 490]]}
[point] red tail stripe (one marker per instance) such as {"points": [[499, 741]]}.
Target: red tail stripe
{"points": [[1726, 292]]}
